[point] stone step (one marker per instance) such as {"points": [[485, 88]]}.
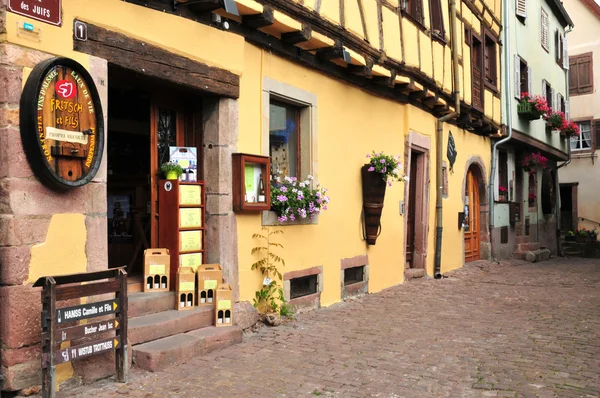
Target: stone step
{"points": [[149, 303], [522, 239], [571, 252], [412, 273], [527, 247], [168, 323], [180, 348]]}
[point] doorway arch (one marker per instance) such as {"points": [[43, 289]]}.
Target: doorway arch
{"points": [[475, 199]]}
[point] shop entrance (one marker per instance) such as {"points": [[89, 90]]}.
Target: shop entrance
{"points": [[416, 228], [472, 202], [145, 117]]}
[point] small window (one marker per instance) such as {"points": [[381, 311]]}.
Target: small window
{"points": [[527, 226], [559, 44], [581, 76], [503, 169], [544, 31], [521, 9], [303, 286], [437, 18], [415, 9], [548, 93], [583, 141], [490, 60], [561, 103], [522, 77], [504, 235], [354, 275], [532, 191], [284, 140]]}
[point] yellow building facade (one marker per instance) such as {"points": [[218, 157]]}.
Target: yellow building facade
{"points": [[358, 76]]}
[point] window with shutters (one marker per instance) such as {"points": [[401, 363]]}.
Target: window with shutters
{"points": [[544, 30], [548, 93], [559, 42], [490, 61], [581, 78], [522, 78], [437, 19], [560, 103], [521, 9], [477, 72], [584, 141], [414, 9]]}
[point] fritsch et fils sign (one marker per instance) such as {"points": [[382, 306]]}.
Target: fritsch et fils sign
{"points": [[49, 11], [62, 127]]}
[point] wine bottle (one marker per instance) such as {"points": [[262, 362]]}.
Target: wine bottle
{"points": [[261, 189]]}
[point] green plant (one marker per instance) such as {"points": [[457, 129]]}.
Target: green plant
{"points": [[269, 298], [389, 167], [292, 199], [570, 233], [171, 167]]}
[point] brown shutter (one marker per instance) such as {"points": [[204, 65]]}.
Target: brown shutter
{"points": [[596, 135], [584, 74], [573, 75], [416, 9], [437, 21]]}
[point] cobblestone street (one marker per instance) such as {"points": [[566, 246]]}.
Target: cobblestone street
{"points": [[489, 329]]}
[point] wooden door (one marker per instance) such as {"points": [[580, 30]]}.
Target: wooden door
{"points": [[167, 129], [411, 209], [472, 236]]}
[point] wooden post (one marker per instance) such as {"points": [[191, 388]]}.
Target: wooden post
{"points": [[48, 338], [121, 357]]}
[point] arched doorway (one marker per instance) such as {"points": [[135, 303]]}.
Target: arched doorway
{"points": [[472, 208]]}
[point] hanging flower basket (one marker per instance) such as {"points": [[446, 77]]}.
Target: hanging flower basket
{"points": [[373, 187], [534, 160]]}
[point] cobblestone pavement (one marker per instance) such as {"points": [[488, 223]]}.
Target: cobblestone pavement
{"points": [[489, 329]]}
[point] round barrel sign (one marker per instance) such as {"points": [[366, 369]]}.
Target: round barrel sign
{"points": [[62, 127]]}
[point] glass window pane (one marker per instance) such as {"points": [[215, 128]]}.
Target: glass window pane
{"points": [[284, 140], [167, 134]]}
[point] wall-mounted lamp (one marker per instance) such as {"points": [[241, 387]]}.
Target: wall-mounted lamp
{"points": [[208, 5]]}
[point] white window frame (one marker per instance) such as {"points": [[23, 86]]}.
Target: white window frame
{"points": [[579, 139], [544, 30], [307, 106]]}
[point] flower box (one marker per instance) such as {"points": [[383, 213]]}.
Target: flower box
{"points": [[503, 197], [569, 238], [527, 111]]}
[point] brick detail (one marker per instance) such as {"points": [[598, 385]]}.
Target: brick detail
{"points": [[305, 272], [96, 245], [20, 307], [17, 231], [352, 262], [10, 84], [14, 264]]}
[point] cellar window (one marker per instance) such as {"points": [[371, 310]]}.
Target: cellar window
{"points": [[303, 286], [354, 275]]}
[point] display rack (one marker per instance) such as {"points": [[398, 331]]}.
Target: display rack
{"points": [[182, 223]]}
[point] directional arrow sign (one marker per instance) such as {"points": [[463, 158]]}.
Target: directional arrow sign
{"points": [[90, 329], [85, 350], [91, 310]]}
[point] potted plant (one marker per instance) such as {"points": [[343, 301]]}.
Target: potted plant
{"points": [[502, 193], [381, 170], [532, 108], [570, 236], [292, 199], [531, 199], [581, 235], [554, 119], [534, 160], [592, 235], [570, 129], [171, 170]]}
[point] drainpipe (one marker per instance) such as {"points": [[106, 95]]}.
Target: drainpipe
{"points": [[439, 146], [556, 181], [507, 89]]}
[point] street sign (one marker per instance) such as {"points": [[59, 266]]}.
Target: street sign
{"points": [[90, 329], [451, 152], [91, 310], [85, 350], [49, 11]]}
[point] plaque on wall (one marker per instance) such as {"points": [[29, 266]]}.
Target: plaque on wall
{"points": [[62, 127]]}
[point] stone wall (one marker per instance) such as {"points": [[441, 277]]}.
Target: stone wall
{"points": [[28, 213]]}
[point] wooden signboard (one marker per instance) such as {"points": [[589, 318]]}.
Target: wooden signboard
{"points": [[62, 127], [49, 11], [113, 331]]}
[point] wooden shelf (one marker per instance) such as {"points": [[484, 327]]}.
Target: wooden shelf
{"points": [[170, 220]]}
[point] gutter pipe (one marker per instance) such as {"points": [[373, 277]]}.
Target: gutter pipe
{"points": [[439, 145], [508, 110]]}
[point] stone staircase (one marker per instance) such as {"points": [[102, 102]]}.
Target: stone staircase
{"points": [[530, 251], [162, 336], [576, 249]]}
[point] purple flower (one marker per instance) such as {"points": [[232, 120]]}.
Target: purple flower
{"points": [[382, 161], [282, 218], [368, 155], [302, 213], [300, 195], [292, 218], [282, 198], [389, 183], [371, 168], [325, 207], [384, 170], [283, 189]]}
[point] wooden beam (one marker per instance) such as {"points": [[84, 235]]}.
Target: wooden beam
{"points": [[418, 95], [199, 6], [388, 81], [337, 52], [153, 61], [430, 101], [362, 70], [299, 36], [256, 21]]}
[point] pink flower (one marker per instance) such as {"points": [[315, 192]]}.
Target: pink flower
{"points": [[371, 168]]}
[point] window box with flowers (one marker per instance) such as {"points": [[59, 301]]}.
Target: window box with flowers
{"points": [[295, 200], [533, 161], [555, 120], [532, 108], [381, 170], [584, 235], [502, 194], [570, 129]]}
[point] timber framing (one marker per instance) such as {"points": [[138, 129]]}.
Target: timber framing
{"points": [[153, 61], [526, 139], [421, 92]]}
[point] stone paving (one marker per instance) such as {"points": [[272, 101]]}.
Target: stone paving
{"points": [[489, 329]]}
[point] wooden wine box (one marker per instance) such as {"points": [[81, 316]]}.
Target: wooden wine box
{"points": [[157, 264], [186, 288], [209, 276]]}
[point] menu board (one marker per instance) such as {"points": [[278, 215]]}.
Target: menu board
{"points": [[190, 218], [189, 195], [190, 241]]}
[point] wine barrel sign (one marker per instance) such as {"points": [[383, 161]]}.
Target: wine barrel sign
{"points": [[62, 127]]}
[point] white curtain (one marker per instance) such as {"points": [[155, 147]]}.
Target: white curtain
{"points": [[586, 137]]}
